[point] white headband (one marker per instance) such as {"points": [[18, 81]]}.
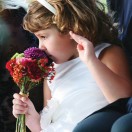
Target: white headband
{"points": [[47, 5]]}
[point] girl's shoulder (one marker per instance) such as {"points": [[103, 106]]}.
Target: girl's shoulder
{"points": [[112, 51], [115, 59], [107, 51]]}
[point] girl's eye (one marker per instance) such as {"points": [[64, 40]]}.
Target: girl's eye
{"points": [[43, 37]]}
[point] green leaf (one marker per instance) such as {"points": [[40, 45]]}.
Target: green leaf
{"points": [[15, 55]]}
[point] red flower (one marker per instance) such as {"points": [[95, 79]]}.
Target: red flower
{"points": [[10, 64], [17, 74], [34, 72]]}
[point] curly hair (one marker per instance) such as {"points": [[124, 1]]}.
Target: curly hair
{"points": [[83, 17]]}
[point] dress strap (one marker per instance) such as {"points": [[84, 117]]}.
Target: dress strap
{"points": [[100, 48]]}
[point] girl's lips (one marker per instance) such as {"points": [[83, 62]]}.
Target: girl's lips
{"points": [[51, 57]]}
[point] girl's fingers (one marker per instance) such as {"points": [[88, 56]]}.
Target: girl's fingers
{"points": [[75, 37], [79, 39], [27, 101], [19, 99], [19, 107], [16, 113], [80, 47], [17, 96], [24, 99], [18, 102]]}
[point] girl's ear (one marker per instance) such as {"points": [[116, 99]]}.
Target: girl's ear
{"points": [[67, 35]]}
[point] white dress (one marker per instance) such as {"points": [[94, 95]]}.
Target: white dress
{"points": [[75, 95]]}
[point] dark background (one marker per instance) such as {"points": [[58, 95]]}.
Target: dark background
{"points": [[13, 38]]}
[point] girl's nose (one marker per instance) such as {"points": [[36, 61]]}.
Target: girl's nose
{"points": [[42, 46]]}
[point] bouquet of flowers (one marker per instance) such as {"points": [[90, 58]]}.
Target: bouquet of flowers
{"points": [[28, 69]]}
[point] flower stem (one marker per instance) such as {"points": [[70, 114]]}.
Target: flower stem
{"points": [[20, 123]]}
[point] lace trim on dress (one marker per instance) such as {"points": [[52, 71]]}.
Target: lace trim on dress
{"points": [[47, 113]]}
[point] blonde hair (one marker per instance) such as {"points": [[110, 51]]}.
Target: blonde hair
{"points": [[83, 17]]}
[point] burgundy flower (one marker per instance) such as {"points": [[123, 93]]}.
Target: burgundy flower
{"points": [[34, 72], [34, 53]]}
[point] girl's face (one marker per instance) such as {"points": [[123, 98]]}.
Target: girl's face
{"points": [[59, 47]]}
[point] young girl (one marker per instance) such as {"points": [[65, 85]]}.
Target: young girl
{"points": [[91, 71]]}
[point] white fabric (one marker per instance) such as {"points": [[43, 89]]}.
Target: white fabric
{"points": [[75, 95], [13, 4]]}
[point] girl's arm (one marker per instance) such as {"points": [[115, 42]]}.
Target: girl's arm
{"points": [[47, 93], [47, 96], [111, 72]]}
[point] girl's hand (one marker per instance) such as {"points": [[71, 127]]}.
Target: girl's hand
{"points": [[20, 105], [23, 105], [85, 47]]}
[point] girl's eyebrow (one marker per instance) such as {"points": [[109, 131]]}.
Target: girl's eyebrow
{"points": [[40, 33], [43, 32]]}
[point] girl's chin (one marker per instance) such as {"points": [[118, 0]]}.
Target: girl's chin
{"points": [[60, 61], [57, 62]]}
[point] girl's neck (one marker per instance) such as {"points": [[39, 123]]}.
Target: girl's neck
{"points": [[72, 57]]}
